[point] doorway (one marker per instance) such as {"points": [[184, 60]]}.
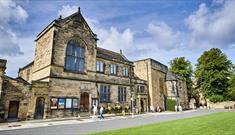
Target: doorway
{"points": [[13, 110], [84, 104], [39, 110], [142, 105]]}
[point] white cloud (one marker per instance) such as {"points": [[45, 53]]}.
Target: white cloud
{"points": [[115, 40], [164, 36], [10, 12], [67, 10], [213, 27], [110, 38], [8, 43]]}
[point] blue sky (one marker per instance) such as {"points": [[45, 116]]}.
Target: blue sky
{"points": [[158, 29]]}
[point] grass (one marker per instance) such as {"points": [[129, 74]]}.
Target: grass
{"points": [[215, 124]]}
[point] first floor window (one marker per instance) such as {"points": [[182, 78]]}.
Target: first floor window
{"points": [[99, 66], [122, 94], [125, 71], [142, 89], [104, 93], [75, 57], [113, 69]]}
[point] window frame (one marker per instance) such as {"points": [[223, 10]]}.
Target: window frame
{"points": [[125, 71], [113, 69], [122, 94], [75, 57], [104, 93], [100, 66]]}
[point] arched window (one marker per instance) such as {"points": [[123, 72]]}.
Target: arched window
{"points": [[74, 57]]}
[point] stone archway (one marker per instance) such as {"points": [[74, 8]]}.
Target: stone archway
{"points": [[39, 109], [84, 102]]}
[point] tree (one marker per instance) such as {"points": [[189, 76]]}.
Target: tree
{"points": [[212, 73], [183, 67], [231, 88]]}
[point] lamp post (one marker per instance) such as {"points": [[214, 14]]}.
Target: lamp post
{"points": [[132, 106]]}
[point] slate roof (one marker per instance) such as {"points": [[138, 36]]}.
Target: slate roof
{"points": [[26, 66], [173, 77], [110, 55]]}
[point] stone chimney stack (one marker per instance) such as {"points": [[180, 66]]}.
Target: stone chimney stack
{"points": [[120, 51], [2, 66]]}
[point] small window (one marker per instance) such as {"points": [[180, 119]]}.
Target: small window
{"points": [[125, 71], [113, 69], [99, 66], [142, 89]]}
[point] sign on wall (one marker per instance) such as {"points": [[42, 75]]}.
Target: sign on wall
{"points": [[54, 103], [61, 103], [68, 103]]}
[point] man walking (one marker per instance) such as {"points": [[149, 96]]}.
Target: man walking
{"points": [[101, 112]]}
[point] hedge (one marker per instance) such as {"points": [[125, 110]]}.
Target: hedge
{"points": [[170, 105]]}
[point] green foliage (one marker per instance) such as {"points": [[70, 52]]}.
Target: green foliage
{"points": [[183, 67], [231, 88], [170, 105], [216, 98], [212, 73]]}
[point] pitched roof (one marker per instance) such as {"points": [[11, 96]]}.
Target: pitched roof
{"points": [[110, 55], [172, 76], [26, 66]]}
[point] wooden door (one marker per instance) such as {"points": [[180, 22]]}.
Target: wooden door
{"points": [[13, 110], [84, 103], [39, 110]]}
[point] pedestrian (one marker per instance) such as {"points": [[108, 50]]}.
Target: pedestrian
{"points": [[94, 109], [176, 108], [101, 112]]}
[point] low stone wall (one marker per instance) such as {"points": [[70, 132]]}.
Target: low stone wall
{"points": [[223, 105]]}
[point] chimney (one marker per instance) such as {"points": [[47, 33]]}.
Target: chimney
{"points": [[121, 51], [2, 66]]}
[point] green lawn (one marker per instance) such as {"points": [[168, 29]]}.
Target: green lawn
{"points": [[215, 124]]}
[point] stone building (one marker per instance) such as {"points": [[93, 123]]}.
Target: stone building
{"points": [[154, 73], [70, 74], [79, 74], [14, 95], [177, 89]]}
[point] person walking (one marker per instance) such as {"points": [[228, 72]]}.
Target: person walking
{"points": [[101, 112], [94, 109]]}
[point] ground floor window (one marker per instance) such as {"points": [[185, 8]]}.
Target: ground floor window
{"points": [[122, 94], [104, 93]]}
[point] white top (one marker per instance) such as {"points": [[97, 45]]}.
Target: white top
{"points": [[101, 109]]}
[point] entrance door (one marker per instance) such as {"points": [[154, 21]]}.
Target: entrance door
{"points": [[13, 109], [84, 104], [39, 110], [142, 105]]}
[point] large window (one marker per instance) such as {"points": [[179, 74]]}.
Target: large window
{"points": [[74, 57], [104, 93], [122, 94], [113, 69], [125, 71], [99, 66]]}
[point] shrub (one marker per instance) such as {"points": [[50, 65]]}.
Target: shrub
{"points": [[216, 98], [170, 105]]}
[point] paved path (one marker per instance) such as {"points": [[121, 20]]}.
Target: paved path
{"points": [[75, 127]]}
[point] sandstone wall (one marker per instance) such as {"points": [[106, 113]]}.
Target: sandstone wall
{"points": [[26, 73], [43, 55]]}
